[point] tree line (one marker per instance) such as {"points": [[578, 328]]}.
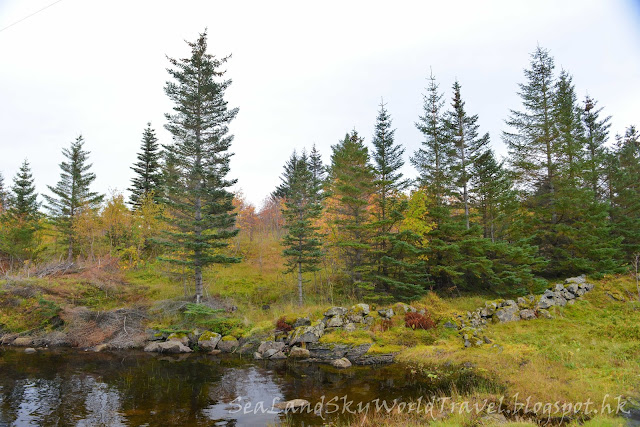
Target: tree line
{"points": [[563, 202]]}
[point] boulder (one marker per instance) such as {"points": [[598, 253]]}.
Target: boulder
{"points": [[301, 321], [299, 353], [22, 342], [194, 337], [558, 287], [342, 363], [349, 327], [579, 280], [507, 314], [335, 311], [559, 299], [248, 345], [270, 345], [257, 356], [355, 318], [361, 309], [100, 347], [30, 350], [307, 334], [545, 314], [527, 314], [386, 313], [228, 344], [167, 347], [335, 321], [291, 404], [327, 351], [573, 288], [179, 337], [403, 308], [489, 309], [368, 320], [566, 294], [209, 340], [278, 356], [375, 359], [546, 300], [357, 351], [156, 335], [450, 325]]}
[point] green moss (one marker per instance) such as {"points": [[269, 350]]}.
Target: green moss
{"points": [[229, 338], [208, 335], [358, 337], [178, 335], [384, 349]]}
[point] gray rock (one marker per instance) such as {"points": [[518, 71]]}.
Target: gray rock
{"points": [[278, 356], [270, 345], [172, 347], [571, 302], [349, 327], [368, 320], [307, 334], [181, 338], [361, 308], [587, 286], [301, 321], [509, 303], [486, 340], [450, 325], [559, 299], [228, 345], [358, 351], [507, 314], [546, 300], [209, 340], [558, 287], [291, 404], [30, 350], [22, 342], [404, 308], [573, 288], [386, 313], [156, 335], [579, 279], [335, 311], [342, 363], [257, 356], [527, 314], [267, 354], [335, 321], [355, 318], [377, 359], [327, 351], [299, 353], [545, 314], [467, 343], [566, 294]]}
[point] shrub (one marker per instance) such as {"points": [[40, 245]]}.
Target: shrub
{"points": [[418, 321], [282, 325]]}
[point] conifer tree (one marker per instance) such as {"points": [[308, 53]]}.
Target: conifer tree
{"points": [[199, 204], [72, 193], [625, 200], [25, 199], [21, 220], [433, 159], [596, 131], [394, 254], [318, 173], [567, 117], [351, 185], [148, 170], [302, 243], [468, 145]]}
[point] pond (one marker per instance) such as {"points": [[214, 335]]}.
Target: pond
{"points": [[71, 387]]}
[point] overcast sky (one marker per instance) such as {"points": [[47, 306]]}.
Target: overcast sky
{"points": [[303, 72]]}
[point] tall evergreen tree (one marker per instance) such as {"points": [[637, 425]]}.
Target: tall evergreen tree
{"points": [[25, 199], [148, 169], [199, 204], [351, 186], [567, 117], [72, 193], [433, 159], [394, 254], [596, 131], [302, 243], [20, 224], [463, 129], [625, 199], [318, 173]]}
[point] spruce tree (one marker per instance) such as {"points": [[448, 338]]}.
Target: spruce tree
{"points": [[72, 193], [393, 254], [20, 224], [25, 199], [148, 169], [302, 243], [569, 131], [196, 191], [433, 159], [318, 173], [351, 186], [625, 199], [596, 131], [468, 145]]}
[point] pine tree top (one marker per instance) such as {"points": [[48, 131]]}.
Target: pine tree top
{"points": [[24, 201]]}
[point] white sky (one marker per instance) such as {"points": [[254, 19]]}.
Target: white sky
{"points": [[302, 72]]}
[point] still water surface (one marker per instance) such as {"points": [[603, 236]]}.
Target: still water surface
{"points": [[68, 387]]}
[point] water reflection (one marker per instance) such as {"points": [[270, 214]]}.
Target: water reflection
{"points": [[65, 387]]}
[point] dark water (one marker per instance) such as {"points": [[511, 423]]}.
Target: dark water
{"points": [[66, 387]]}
